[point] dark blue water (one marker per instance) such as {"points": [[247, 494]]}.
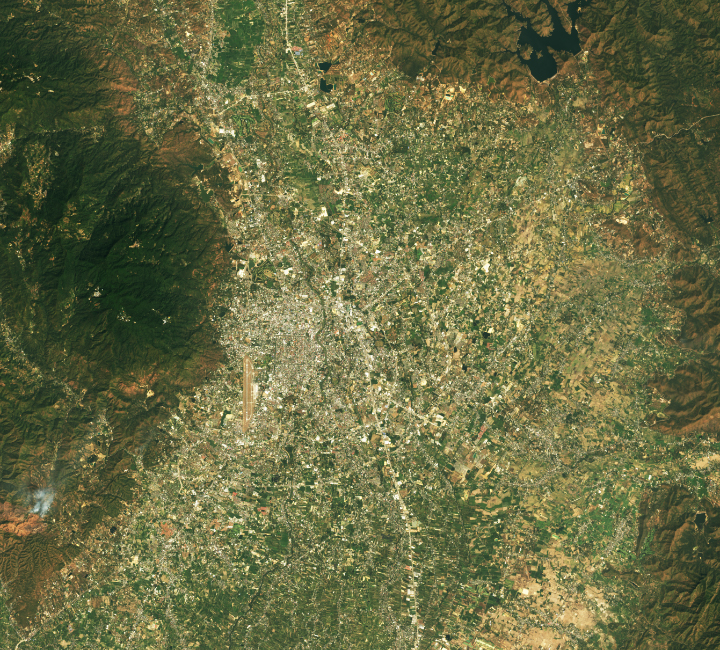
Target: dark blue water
{"points": [[541, 62]]}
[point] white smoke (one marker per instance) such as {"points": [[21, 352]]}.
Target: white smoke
{"points": [[43, 500]]}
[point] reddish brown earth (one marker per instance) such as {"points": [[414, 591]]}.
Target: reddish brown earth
{"points": [[118, 215], [659, 63], [17, 521], [680, 605], [466, 41], [656, 65]]}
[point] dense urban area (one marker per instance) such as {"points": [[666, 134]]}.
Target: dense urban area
{"points": [[437, 416]]}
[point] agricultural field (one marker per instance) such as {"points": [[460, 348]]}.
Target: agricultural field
{"points": [[310, 342]]}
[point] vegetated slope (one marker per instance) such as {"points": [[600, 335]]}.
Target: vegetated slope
{"points": [[660, 63], [679, 608], [693, 389], [657, 66], [492, 41], [108, 257]]}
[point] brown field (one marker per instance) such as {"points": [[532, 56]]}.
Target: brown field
{"points": [[248, 397]]}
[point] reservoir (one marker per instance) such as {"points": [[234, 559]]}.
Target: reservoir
{"points": [[541, 63]]}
